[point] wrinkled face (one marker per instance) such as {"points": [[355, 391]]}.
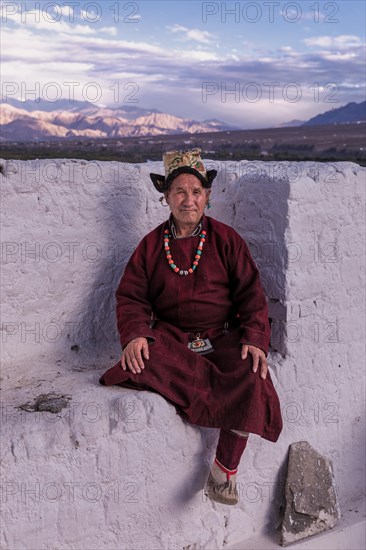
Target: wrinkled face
{"points": [[187, 199]]}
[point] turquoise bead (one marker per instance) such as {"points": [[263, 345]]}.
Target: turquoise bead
{"points": [[198, 255]]}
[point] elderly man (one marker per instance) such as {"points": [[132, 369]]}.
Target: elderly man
{"points": [[193, 322]]}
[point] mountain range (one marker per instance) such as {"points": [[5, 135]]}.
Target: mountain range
{"points": [[39, 120], [35, 121], [352, 112]]}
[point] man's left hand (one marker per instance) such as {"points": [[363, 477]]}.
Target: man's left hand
{"points": [[259, 358]]}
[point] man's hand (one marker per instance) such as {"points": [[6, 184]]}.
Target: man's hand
{"points": [[132, 356], [259, 358]]}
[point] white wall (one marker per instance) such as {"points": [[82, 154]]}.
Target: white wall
{"points": [[69, 226]]}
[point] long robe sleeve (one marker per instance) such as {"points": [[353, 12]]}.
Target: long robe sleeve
{"points": [[133, 307], [249, 298]]}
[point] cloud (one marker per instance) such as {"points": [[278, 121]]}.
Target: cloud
{"points": [[340, 42], [198, 55], [67, 11], [197, 35], [316, 16], [39, 20], [104, 54], [170, 77], [109, 30]]}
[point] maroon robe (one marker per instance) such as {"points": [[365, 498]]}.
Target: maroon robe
{"points": [[222, 300]]}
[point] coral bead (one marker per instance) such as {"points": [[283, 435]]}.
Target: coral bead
{"points": [[197, 256]]}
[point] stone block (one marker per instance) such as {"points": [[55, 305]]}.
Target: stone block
{"points": [[311, 497]]}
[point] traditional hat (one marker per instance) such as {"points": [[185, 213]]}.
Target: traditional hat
{"points": [[183, 162]]}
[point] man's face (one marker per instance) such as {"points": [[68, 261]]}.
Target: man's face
{"points": [[187, 199]]}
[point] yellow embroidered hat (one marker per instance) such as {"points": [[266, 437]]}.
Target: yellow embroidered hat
{"points": [[183, 162]]}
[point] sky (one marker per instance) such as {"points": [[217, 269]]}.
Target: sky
{"points": [[251, 64]]}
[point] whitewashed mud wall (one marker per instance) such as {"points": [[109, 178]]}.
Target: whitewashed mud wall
{"points": [[119, 469]]}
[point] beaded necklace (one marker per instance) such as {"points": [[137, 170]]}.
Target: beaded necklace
{"points": [[197, 256]]}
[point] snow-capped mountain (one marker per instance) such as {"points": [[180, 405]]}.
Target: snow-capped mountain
{"points": [[34, 121]]}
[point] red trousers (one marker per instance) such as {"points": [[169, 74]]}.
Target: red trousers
{"points": [[230, 448]]}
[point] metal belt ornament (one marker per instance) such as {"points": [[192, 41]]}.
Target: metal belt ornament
{"points": [[200, 345]]}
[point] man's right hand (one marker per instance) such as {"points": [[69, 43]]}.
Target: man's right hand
{"points": [[133, 354]]}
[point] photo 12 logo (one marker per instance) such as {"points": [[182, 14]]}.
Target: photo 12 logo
{"points": [[252, 92], [271, 12], [93, 92], [71, 12], [28, 492]]}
